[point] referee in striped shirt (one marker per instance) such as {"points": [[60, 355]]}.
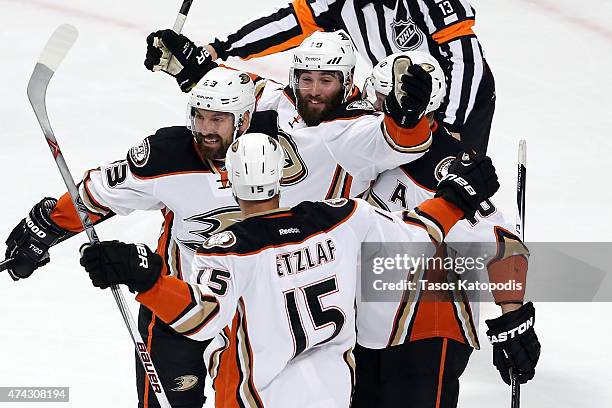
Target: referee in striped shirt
{"points": [[442, 28]]}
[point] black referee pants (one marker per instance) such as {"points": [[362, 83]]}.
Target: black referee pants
{"points": [[419, 374]]}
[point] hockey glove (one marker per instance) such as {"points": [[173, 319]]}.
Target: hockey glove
{"points": [[178, 56], [30, 240], [470, 180], [113, 262], [515, 344], [409, 99]]}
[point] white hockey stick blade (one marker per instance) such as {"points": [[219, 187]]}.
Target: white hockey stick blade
{"points": [[60, 42]]}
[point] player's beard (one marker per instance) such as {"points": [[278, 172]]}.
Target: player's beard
{"points": [[312, 116], [212, 152]]}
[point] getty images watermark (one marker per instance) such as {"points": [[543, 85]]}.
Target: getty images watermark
{"points": [[477, 271], [456, 264]]}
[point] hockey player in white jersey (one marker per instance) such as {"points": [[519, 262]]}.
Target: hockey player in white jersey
{"points": [[329, 134], [280, 285], [180, 172], [437, 329]]}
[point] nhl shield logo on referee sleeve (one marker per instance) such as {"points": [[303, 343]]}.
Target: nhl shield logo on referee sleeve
{"points": [[139, 155], [406, 35]]}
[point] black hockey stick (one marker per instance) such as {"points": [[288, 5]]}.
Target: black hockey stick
{"points": [[5, 264], [521, 184], [57, 47], [182, 16]]}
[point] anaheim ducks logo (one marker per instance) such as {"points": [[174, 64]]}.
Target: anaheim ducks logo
{"points": [[295, 169], [244, 78], [212, 222], [185, 382]]}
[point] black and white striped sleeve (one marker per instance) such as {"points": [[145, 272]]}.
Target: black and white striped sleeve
{"points": [[280, 30], [450, 24]]}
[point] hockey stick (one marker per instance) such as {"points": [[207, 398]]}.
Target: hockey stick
{"points": [[51, 57], [182, 16], [520, 188], [5, 264], [521, 184]]}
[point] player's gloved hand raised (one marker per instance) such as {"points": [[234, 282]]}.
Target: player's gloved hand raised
{"points": [[178, 56], [30, 240], [113, 262], [470, 180], [411, 93], [515, 344]]}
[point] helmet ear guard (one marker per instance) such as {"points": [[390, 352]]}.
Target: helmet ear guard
{"points": [[254, 165]]}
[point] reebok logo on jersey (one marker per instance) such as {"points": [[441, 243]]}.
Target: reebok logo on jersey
{"points": [[512, 333], [285, 231]]}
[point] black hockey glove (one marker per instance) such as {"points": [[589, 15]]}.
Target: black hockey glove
{"points": [[471, 179], [30, 240], [113, 262], [178, 56], [515, 344], [411, 93]]}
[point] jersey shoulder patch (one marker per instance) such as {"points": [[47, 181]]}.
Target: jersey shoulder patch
{"points": [[362, 104], [279, 228], [170, 150], [221, 240]]}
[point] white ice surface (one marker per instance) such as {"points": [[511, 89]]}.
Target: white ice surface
{"points": [[551, 61]]}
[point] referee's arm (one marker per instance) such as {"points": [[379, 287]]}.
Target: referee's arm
{"points": [[281, 30]]}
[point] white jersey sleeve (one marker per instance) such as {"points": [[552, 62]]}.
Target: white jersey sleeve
{"points": [[113, 187], [368, 144]]}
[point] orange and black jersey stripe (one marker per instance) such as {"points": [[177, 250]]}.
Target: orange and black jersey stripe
{"points": [[284, 227], [378, 28]]}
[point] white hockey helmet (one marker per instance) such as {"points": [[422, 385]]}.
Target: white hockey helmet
{"points": [[380, 79], [223, 90], [254, 164], [325, 51]]}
